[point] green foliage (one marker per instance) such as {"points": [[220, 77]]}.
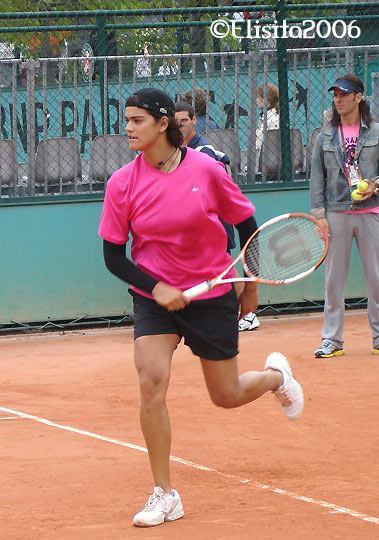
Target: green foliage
{"points": [[303, 14], [26, 6], [125, 41], [130, 42]]}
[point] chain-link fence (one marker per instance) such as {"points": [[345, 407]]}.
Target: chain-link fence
{"points": [[264, 72]]}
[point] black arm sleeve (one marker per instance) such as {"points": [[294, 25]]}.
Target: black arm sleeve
{"points": [[122, 267], [246, 229]]}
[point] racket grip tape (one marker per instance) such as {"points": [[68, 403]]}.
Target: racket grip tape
{"points": [[197, 290]]}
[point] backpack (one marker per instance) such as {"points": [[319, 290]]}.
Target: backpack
{"points": [[220, 156]]}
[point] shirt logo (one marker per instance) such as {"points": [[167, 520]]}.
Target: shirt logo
{"points": [[195, 189], [350, 144]]}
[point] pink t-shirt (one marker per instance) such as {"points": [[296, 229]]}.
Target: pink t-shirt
{"points": [[350, 135], [173, 219]]}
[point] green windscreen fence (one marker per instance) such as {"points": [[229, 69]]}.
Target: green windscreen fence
{"points": [[256, 74]]}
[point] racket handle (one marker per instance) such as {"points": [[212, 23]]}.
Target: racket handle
{"points": [[197, 290]]}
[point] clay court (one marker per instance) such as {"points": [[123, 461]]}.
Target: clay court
{"points": [[74, 465]]}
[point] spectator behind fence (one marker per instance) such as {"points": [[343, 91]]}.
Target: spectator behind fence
{"points": [[346, 150], [200, 100], [143, 65], [170, 67], [272, 115], [186, 118]]}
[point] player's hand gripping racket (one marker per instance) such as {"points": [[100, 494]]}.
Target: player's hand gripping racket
{"points": [[282, 250]]}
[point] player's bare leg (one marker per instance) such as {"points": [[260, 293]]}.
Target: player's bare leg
{"points": [[153, 362], [229, 389]]}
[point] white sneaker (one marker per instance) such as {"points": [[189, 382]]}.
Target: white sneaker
{"points": [[248, 322], [160, 507], [289, 394]]}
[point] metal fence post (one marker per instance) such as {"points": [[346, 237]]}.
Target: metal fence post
{"points": [[281, 49], [31, 67], [251, 108], [102, 51]]}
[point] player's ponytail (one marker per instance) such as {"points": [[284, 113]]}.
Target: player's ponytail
{"points": [[174, 135]]}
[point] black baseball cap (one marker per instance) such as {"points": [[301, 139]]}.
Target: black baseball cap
{"points": [[153, 100], [346, 86]]}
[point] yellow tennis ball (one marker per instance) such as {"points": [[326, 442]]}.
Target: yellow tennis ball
{"points": [[362, 186], [355, 195]]}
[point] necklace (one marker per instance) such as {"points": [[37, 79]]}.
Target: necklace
{"points": [[162, 163], [173, 162]]}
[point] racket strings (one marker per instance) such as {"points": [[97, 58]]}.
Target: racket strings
{"points": [[285, 249]]}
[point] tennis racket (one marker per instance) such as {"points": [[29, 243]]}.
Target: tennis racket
{"points": [[282, 250]]}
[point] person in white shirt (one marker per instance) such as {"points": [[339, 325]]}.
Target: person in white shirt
{"points": [[250, 321], [143, 66], [272, 115]]}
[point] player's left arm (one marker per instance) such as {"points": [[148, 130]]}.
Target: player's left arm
{"points": [[248, 298]]}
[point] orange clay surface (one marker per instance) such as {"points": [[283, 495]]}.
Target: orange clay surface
{"points": [[244, 474]]}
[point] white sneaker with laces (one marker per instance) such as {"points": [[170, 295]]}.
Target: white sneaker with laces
{"points": [[290, 393], [248, 322], [160, 507]]}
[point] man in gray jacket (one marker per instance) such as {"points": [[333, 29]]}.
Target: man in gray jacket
{"points": [[345, 153]]}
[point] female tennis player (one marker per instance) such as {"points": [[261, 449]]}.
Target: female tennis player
{"points": [[169, 200]]}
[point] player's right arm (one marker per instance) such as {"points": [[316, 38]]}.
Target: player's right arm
{"points": [[169, 297], [119, 265], [317, 182]]}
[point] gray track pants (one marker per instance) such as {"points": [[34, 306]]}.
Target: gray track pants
{"points": [[343, 228]]}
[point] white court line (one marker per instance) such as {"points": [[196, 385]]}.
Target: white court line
{"points": [[335, 509], [9, 418]]}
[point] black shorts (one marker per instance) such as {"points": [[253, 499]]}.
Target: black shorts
{"points": [[209, 327]]}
